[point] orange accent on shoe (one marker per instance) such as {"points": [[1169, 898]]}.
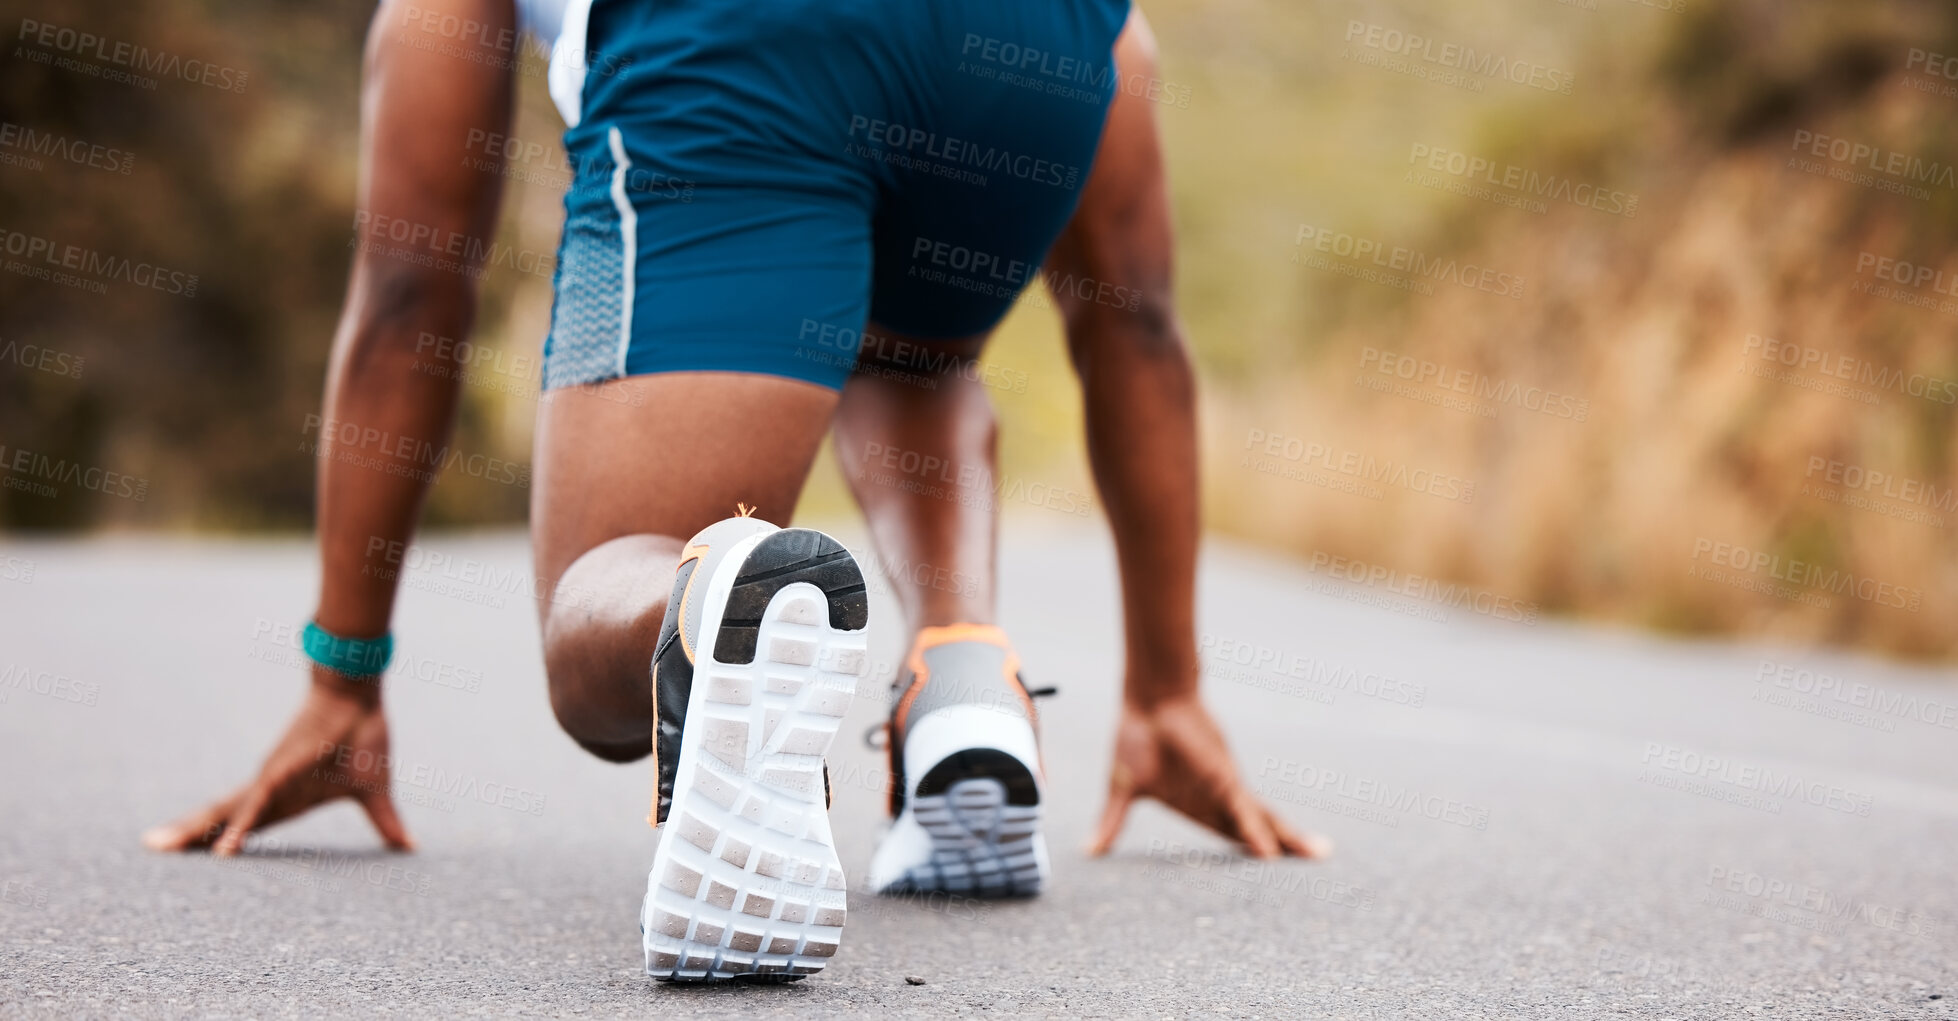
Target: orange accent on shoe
{"points": [[930, 638]]}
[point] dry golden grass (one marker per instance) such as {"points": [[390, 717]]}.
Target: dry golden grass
{"points": [[1684, 443]]}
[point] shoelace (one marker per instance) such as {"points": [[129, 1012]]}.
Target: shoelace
{"points": [[878, 737]]}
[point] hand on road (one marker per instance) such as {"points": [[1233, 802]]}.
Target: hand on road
{"points": [[1173, 752], [335, 748]]}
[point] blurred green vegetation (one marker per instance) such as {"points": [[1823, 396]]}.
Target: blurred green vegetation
{"points": [[1691, 106]]}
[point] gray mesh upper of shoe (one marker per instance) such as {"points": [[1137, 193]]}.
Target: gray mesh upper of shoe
{"points": [[720, 538], [967, 673]]}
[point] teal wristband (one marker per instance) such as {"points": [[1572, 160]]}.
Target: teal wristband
{"points": [[351, 657]]}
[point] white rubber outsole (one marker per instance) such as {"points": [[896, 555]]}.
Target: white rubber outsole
{"points": [[746, 881], [968, 836]]}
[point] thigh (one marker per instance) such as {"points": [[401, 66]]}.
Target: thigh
{"points": [[667, 454]]}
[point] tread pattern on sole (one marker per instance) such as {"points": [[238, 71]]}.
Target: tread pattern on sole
{"points": [[746, 882], [981, 808], [784, 558]]}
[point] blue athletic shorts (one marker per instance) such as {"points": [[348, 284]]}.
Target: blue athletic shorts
{"points": [[757, 179]]}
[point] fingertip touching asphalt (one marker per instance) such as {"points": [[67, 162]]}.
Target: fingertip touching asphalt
{"points": [[1533, 819]]}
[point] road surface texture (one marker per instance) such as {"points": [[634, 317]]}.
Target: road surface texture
{"points": [[1533, 820]]}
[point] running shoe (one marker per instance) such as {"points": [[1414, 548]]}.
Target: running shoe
{"points": [[756, 663], [965, 766]]}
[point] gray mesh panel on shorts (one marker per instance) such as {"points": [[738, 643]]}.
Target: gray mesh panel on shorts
{"points": [[588, 318]]}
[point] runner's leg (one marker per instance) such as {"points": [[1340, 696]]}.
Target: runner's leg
{"points": [[626, 471], [911, 403], [937, 540]]}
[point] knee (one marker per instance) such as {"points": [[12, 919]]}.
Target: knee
{"points": [[599, 728], [592, 734], [929, 385], [620, 753]]}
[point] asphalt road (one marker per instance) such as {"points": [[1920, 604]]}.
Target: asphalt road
{"points": [[1533, 820]]}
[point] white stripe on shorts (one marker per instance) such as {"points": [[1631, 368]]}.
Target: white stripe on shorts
{"points": [[629, 233]]}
